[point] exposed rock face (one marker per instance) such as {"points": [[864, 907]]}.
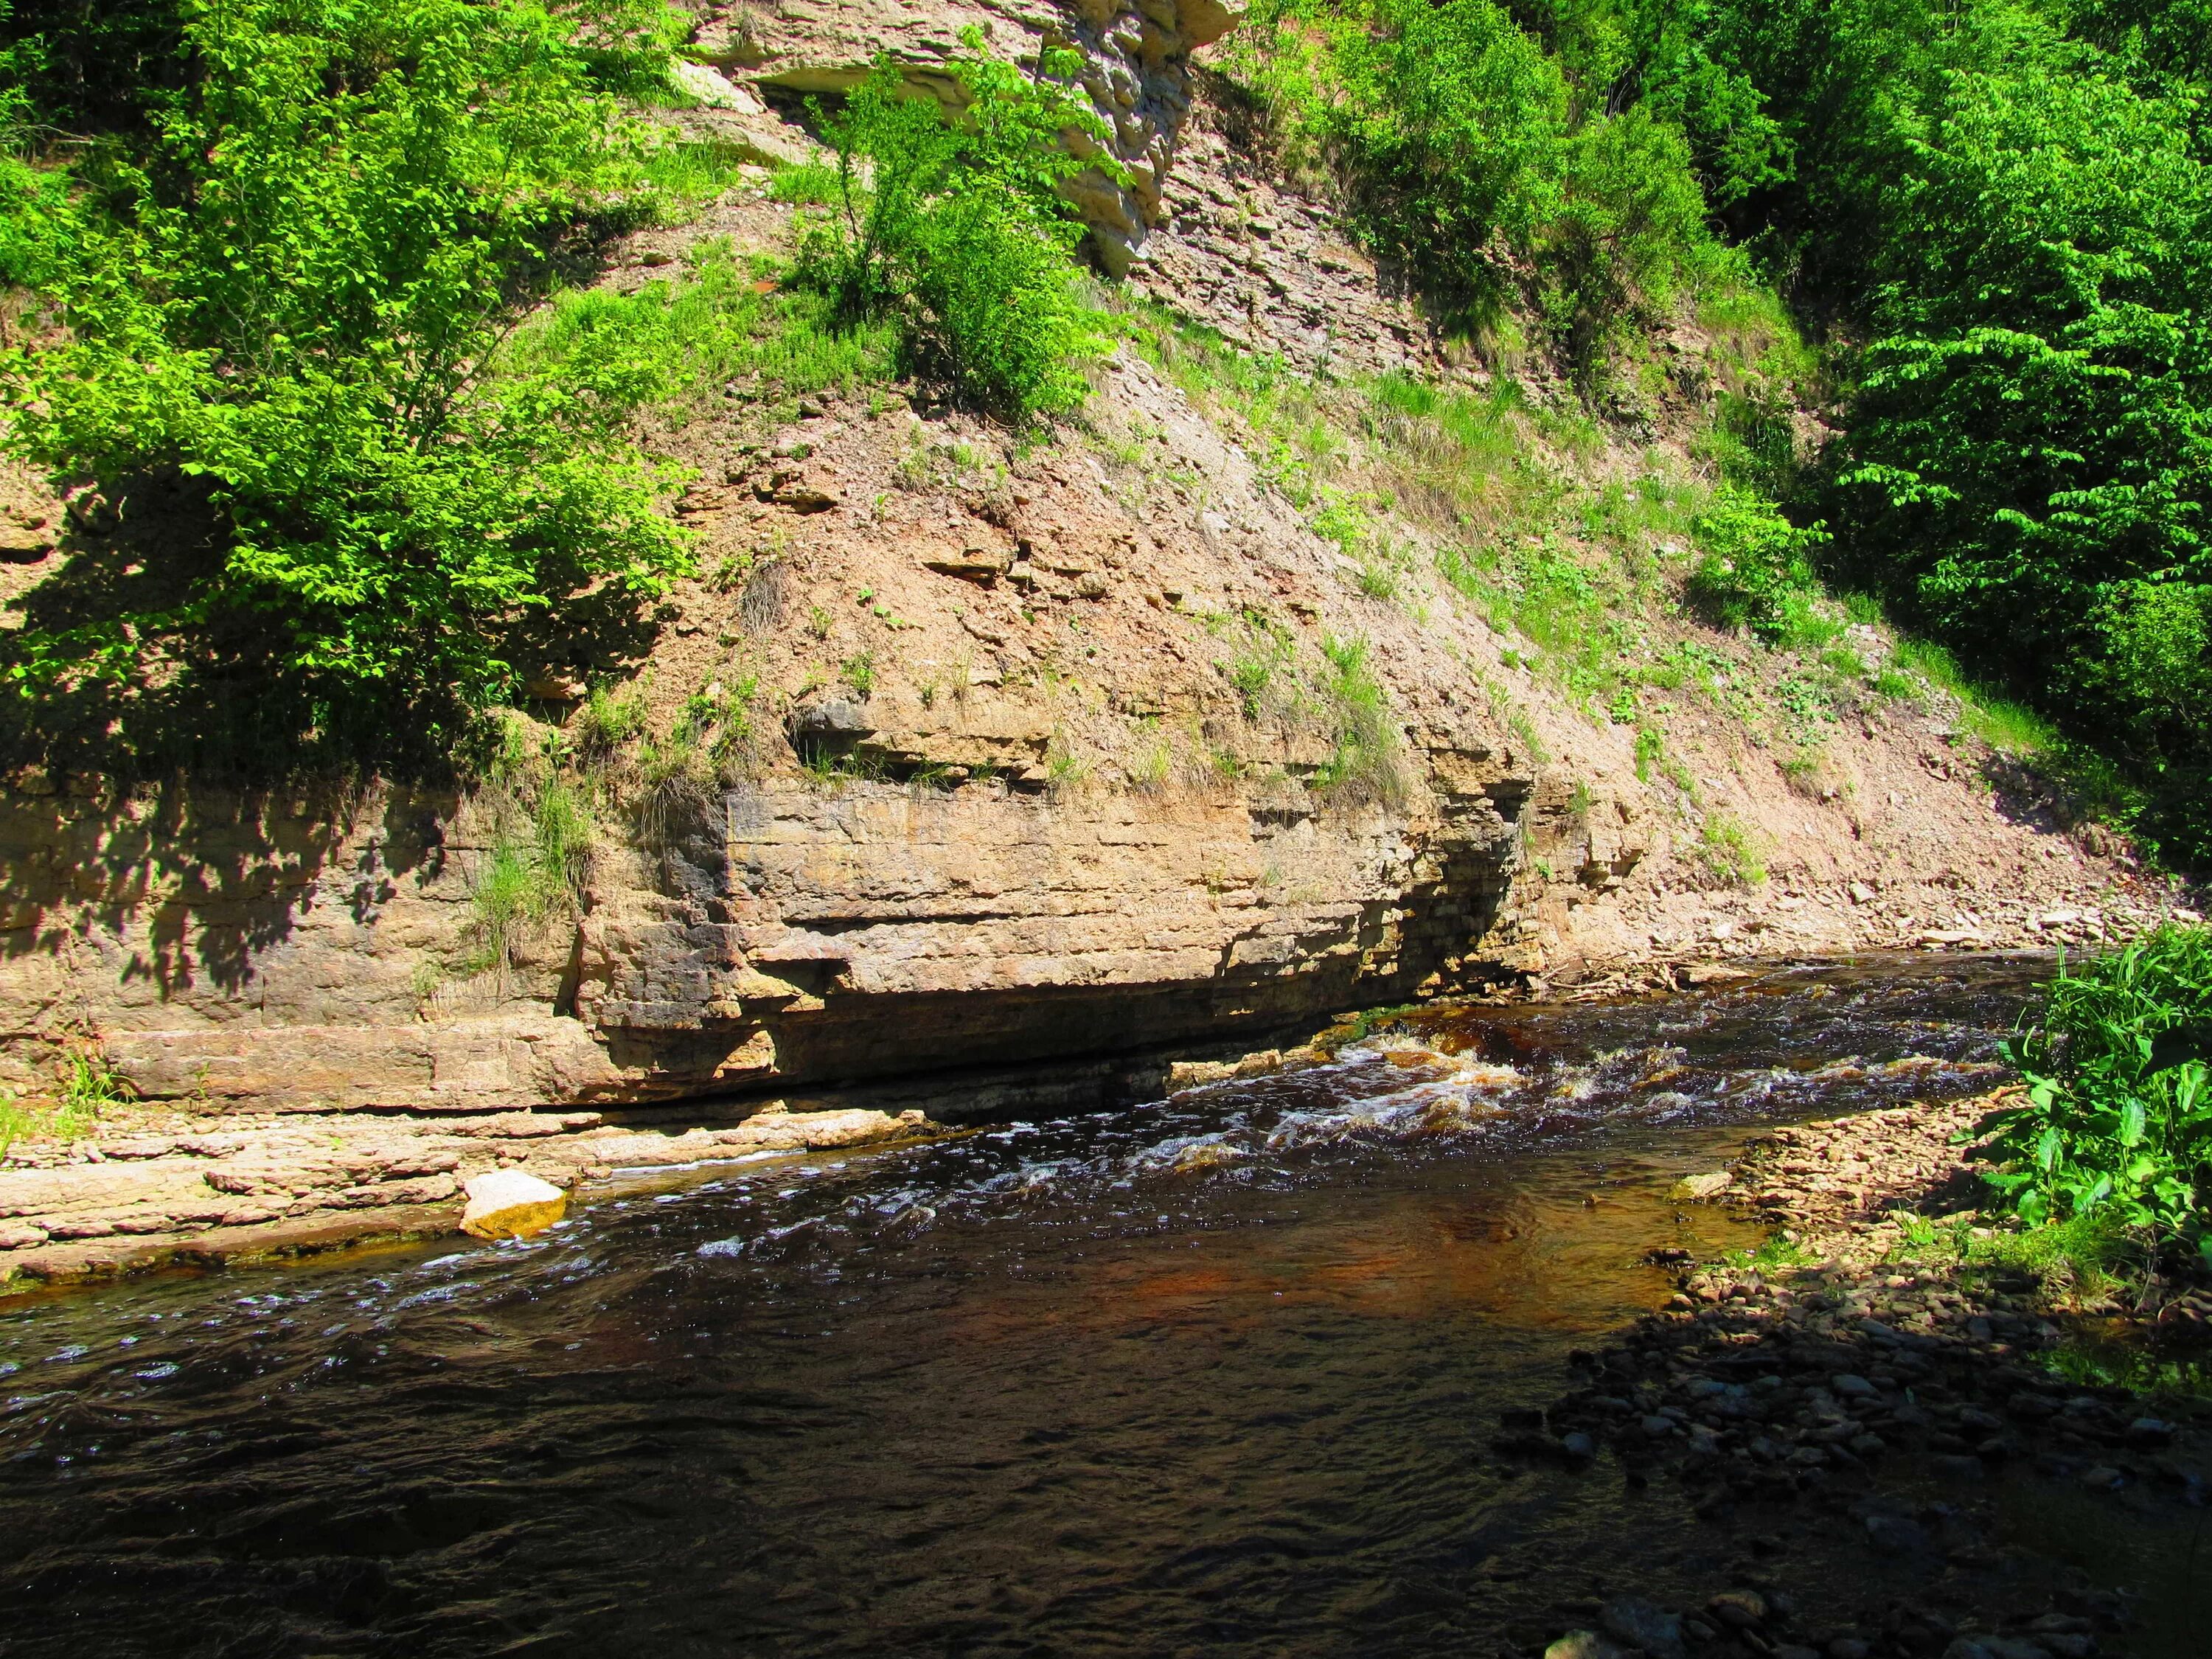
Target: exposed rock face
{"points": [[803, 937], [1082, 791], [1135, 68], [842, 938]]}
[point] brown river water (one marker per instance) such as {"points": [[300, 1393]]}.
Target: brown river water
{"points": [[1210, 1376]]}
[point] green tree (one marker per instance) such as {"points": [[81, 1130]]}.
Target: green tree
{"points": [[2031, 452], [281, 301]]}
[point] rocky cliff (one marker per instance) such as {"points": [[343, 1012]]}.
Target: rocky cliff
{"points": [[1106, 746], [1135, 60]]}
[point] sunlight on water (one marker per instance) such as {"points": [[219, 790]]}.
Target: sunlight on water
{"points": [[1206, 1373]]}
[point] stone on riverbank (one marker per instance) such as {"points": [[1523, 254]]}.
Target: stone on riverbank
{"points": [[511, 1204], [1700, 1187], [1645, 1625], [1583, 1644]]}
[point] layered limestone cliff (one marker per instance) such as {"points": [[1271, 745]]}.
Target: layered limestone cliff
{"points": [[1058, 752]]}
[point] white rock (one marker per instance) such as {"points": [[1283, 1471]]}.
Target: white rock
{"points": [[698, 81], [511, 1204]]}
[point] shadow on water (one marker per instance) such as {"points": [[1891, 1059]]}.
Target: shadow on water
{"points": [[1210, 1375]]}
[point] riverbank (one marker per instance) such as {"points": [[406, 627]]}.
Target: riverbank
{"points": [[154, 1188], [149, 1183], [1871, 1376]]}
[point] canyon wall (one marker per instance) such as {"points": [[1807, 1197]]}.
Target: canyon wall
{"points": [[271, 953], [1047, 762]]}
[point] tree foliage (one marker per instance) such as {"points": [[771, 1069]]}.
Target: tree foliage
{"points": [[2029, 464], [279, 289], [2011, 206]]}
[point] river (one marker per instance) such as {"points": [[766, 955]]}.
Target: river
{"points": [[1212, 1375]]}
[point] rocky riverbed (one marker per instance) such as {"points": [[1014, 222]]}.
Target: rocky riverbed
{"points": [[1868, 1386], [160, 1187]]}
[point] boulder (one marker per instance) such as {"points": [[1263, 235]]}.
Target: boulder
{"points": [[511, 1204]]}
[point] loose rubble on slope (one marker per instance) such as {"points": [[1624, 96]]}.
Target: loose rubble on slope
{"points": [[1874, 1399]]}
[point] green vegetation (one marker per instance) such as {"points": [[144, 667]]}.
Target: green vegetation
{"points": [[540, 830], [72, 1115], [1772, 1252], [63, 1120], [1365, 766], [2117, 1129], [2007, 205], [1478, 162], [2026, 467], [1264, 657], [303, 307], [283, 274], [1367, 1022], [1756, 570], [953, 229], [1731, 852]]}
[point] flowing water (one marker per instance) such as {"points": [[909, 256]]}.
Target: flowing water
{"points": [[1211, 1374]]}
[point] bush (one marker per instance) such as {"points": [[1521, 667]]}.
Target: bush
{"points": [[952, 226], [1492, 169], [1755, 566], [2118, 1118], [283, 289]]}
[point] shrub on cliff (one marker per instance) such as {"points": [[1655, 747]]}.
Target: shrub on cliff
{"points": [[1754, 567], [280, 283], [1480, 160], [951, 225]]}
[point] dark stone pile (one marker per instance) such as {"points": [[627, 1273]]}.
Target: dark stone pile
{"points": [[1883, 1400]]}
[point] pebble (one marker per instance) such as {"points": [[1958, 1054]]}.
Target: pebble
{"points": [[1740, 1609]]}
